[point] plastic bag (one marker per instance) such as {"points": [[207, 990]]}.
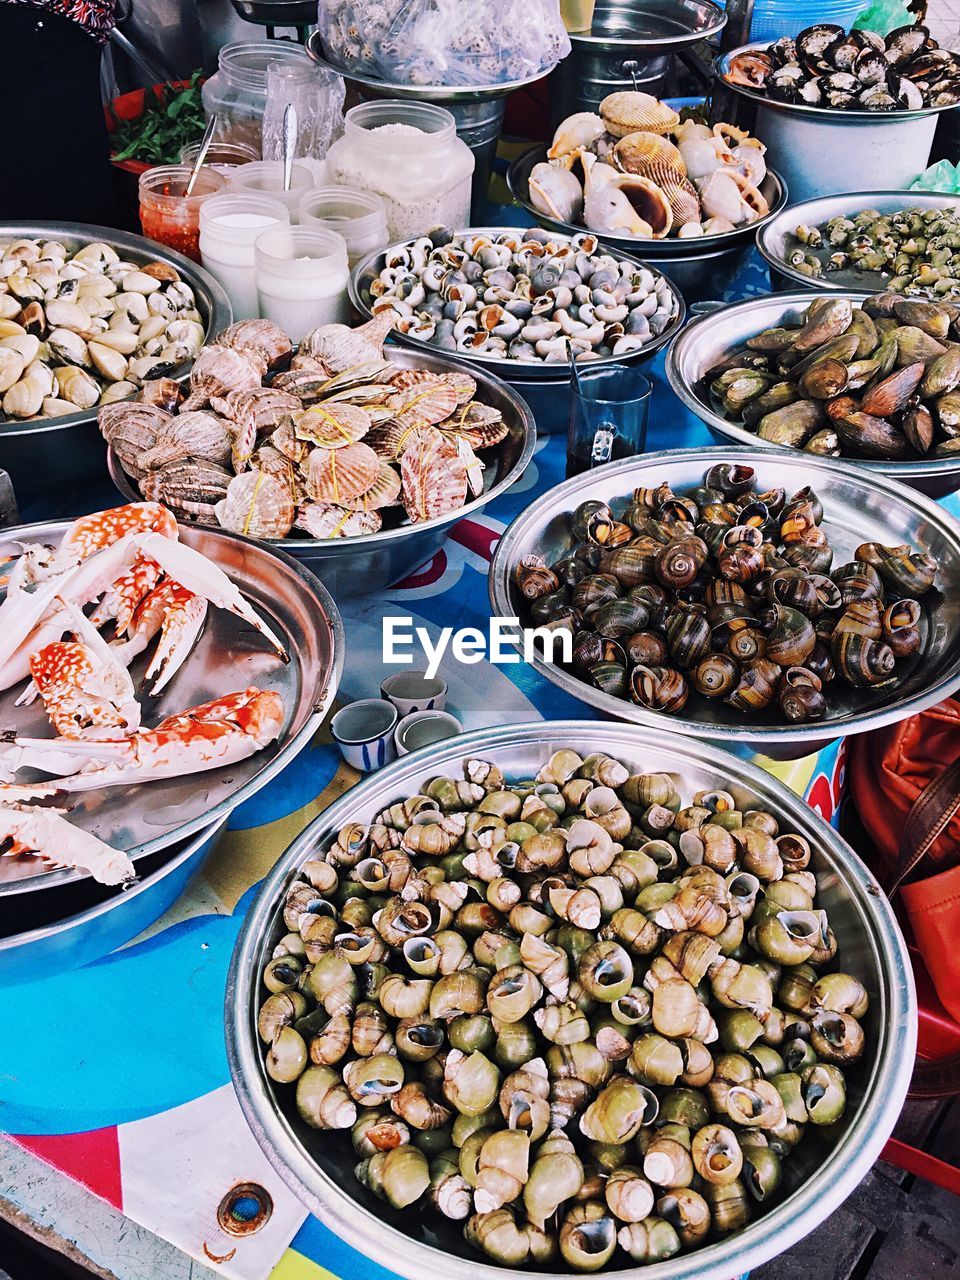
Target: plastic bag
{"points": [[318, 97], [444, 42], [884, 16], [942, 176]]}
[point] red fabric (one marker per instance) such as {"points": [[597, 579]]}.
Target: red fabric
{"points": [[92, 1159]]}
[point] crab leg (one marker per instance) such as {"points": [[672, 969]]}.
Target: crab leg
{"points": [[45, 833], [178, 615]]}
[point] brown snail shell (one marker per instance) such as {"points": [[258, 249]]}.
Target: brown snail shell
{"points": [[659, 689], [679, 562], [900, 627], [863, 662], [757, 686], [688, 635], [716, 675], [861, 617], [534, 578], [646, 648], [800, 694]]}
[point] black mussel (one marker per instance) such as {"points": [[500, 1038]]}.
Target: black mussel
{"points": [[715, 675], [633, 564], [820, 662], [791, 639], [803, 497], [744, 643], [904, 43], [610, 677], [546, 607], [620, 618], [813, 41], [757, 686], [688, 635], [857, 580], [679, 562], [800, 694], [863, 662], [534, 579], [840, 53], [918, 425], [659, 689], [731, 479], [589, 649], [862, 618], [591, 592], [783, 50], [793, 588], [901, 628], [645, 649], [870, 68]]}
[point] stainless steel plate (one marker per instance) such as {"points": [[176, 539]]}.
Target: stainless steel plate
{"points": [[858, 508], [821, 1172], [649, 27], [229, 656], [705, 340], [662, 252], [776, 239], [367, 270]]}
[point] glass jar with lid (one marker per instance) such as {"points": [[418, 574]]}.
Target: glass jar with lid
{"points": [[237, 91], [409, 154]]}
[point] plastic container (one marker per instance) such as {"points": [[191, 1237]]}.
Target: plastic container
{"points": [[302, 277], [237, 92], [229, 225], [775, 18], [409, 154], [265, 178], [167, 214], [359, 216], [222, 156]]}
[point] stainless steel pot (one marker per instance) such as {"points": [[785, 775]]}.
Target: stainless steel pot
{"points": [[776, 238], [64, 453], [858, 508], [318, 1167], [362, 566], [705, 340]]}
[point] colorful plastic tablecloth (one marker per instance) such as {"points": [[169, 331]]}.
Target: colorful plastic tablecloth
{"points": [[117, 1075]]}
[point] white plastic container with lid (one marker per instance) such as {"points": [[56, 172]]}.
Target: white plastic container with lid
{"points": [[265, 178], [302, 278], [229, 225], [359, 216], [237, 91], [409, 154]]}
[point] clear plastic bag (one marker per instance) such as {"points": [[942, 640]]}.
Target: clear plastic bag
{"points": [[318, 97], [444, 42]]}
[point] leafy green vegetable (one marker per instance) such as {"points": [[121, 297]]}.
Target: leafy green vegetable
{"points": [[167, 124]]}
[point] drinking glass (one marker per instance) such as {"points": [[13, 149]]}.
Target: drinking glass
{"points": [[609, 408]]}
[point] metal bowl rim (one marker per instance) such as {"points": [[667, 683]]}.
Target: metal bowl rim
{"points": [[737, 238], [511, 546], [216, 301], [832, 114], [652, 44], [915, 469], [289, 749], [798, 1214], [784, 216], [528, 370]]}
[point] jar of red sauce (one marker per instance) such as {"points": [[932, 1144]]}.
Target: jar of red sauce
{"points": [[167, 214]]}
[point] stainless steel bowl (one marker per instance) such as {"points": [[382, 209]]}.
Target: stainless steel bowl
{"points": [[626, 27], [362, 566], [707, 339], [519, 371], [62, 453], [318, 1167], [776, 238], [858, 508]]}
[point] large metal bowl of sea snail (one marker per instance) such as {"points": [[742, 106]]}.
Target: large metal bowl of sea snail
{"points": [[570, 997], [354, 460]]}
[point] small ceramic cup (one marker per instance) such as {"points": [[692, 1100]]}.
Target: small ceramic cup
{"points": [[414, 691], [364, 732], [421, 728]]}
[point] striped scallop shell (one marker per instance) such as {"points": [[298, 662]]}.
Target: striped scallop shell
{"points": [[263, 337], [650, 155], [463, 385], [434, 478], [285, 441], [629, 110], [384, 491], [257, 506], [327, 520], [480, 425], [426, 399], [261, 408], [391, 439], [684, 201], [273, 463], [332, 426], [334, 475]]}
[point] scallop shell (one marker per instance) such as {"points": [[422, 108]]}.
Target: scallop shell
{"points": [[650, 155], [260, 408], [384, 492], [307, 384], [257, 506], [219, 370], [285, 441], [427, 399], [684, 201], [480, 425], [263, 337], [465, 387], [391, 439], [194, 434], [163, 392], [334, 475], [339, 347], [650, 202], [629, 110], [190, 487], [327, 520], [332, 426], [131, 429], [434, 478], [274, 463]]}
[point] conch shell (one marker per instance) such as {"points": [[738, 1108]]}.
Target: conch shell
{"points": [[338, 347], [580, 130], [556, 192]]}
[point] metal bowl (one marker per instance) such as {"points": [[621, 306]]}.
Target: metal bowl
{"points": [[362, 566], [318, 1167], [519, 371], [708, 338], [858, 508], [624, 27], [61, 453], [228, 656], [776, 238], [692, 264]]}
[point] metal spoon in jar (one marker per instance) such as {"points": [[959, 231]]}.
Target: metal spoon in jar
{"points": [[202, 153]]}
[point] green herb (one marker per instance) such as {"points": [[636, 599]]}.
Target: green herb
{"points": [[169, 121]]}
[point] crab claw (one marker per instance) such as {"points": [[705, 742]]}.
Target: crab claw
{"points": [[178, 615], [48, 835]]}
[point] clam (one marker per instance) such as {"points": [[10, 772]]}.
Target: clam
{"points": [[650, 155], [629, 110]]}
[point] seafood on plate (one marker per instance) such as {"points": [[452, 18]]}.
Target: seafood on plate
{"points": [[636, 169], [80, 328], [827, 67], [130, 565], [323, 443], [529, 295]]}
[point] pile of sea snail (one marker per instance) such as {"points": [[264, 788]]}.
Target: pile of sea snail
{"points": [[573, 1013], [530, 295], [727, 593], [879, 380], [856, 70]]}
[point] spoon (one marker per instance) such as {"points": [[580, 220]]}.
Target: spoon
{"points": [[289, 142], [202, 153]]}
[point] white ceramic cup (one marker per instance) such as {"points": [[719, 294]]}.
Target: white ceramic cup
{"points": [[414, 691], [364, 732], [422, 728]]}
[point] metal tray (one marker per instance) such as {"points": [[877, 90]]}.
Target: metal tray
{"points": [[367, 270], [364, 565], [229, 656], [709, 337], [776, 237], [37, 453], [858, 508], [318, 1167]]}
